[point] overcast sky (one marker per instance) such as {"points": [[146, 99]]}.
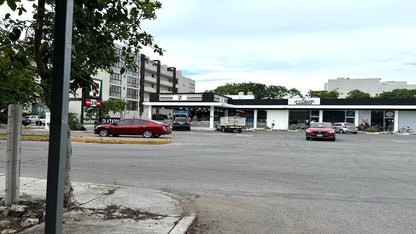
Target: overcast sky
{"points": [[294, 43]]}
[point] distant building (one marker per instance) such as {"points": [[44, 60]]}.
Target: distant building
{"points": [[373, 86], [134, 87]]}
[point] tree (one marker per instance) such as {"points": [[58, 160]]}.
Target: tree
{"points": [[357, 94], [260, 91], [398, 93], [18, 85], [115, 106], [96, 25], [276, 92], [333, 94]]}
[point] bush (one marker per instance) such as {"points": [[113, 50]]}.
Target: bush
{"points": [[267, 128], [292, 127], [371, 129], [73, 122]]}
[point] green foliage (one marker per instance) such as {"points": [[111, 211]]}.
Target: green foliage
{"points": [[260, 91], [333, 94], [398, 93], [115, 106], [371, 129], [73, 122], [96, 25], [357, 94]]}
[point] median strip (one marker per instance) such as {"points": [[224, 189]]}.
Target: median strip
{"points": [[97, 140]]}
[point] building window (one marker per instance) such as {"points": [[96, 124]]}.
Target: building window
{"points": [[132, 82], [115, 78], [115, 91], [132, 93], [132, 105]]}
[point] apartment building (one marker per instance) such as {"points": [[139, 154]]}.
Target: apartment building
{"points": [[373, 86], [135, 86]]}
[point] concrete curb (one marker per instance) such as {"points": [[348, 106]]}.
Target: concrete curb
{"points": [[99, 140], [183, 225]]}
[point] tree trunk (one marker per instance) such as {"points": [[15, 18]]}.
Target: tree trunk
{"points": [[68, 190]]}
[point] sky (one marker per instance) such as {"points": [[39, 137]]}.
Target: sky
{"points": [[293, 43]]}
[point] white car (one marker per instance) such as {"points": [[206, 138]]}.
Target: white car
{"points": [[343, 127]]}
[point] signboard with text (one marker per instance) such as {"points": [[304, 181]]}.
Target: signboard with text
{"points": [[304, 101], [92, 102]]}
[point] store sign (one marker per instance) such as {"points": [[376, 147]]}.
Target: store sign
{"points": [[304, 101], [95, 89], [92, 102], [180, 97], [218, 98], [389, 114]]}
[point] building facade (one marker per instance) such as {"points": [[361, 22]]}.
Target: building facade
{"points": [[373, 86], [205, 109], [134, 87]]}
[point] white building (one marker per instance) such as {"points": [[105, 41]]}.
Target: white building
{"points": [[373, 86], [134, 87]]}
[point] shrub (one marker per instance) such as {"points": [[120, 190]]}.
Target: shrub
{"points": [[292, 127], [73, 122], [371, 129]]}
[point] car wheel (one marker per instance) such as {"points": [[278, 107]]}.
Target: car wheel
{"points": [[307, 138], [189, 129], [341, 131], [147, 134], [104, 132], [355, 132]]}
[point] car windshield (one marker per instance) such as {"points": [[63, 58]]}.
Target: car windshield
{"points": [[321, 125], [154, 121]]}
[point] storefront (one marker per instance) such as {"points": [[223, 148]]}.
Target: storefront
{"points": [[205, 110]]}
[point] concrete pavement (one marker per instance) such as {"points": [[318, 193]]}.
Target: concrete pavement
{"points": [[112, 209], [109, 208]]}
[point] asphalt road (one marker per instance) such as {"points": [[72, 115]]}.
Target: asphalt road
{"points": [[262, 182]]}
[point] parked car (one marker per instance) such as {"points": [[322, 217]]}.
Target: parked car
{"points": [[29, 119], [181, 123], [320, 130], [345, 127], [147, 128]]}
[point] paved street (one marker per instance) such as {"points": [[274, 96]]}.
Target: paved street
{"points": [[262, 182]]}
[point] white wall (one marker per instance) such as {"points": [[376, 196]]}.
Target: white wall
{"points": [[280, 117], [407, 118]]}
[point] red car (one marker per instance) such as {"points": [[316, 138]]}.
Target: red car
{"points": [[320, 130], [147, 128]]}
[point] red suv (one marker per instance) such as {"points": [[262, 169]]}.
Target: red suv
{"points": [[147, 128]]}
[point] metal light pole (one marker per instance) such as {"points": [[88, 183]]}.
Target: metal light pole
{"points": [[59, 118]]}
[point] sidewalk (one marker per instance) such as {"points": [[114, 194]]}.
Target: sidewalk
{"points": [[133, 210]]}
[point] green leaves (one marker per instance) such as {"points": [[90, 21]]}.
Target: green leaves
{"points": [[260, 91], [334, 94], [11, 4], [14, 35]]}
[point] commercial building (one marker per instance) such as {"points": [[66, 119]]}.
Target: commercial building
{"points": [[133, 87], [373, 86], [206, 109]]}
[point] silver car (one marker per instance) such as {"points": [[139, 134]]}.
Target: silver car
{"points": [[345, 128]]}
